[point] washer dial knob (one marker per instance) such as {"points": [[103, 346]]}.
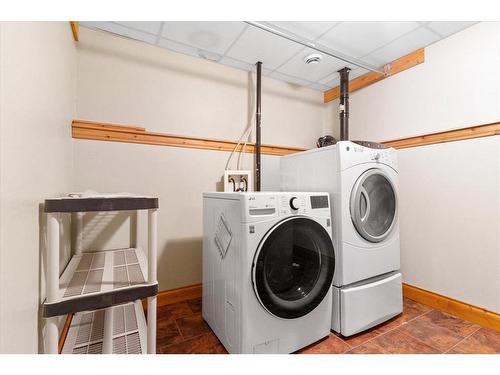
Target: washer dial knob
{"points": [[294, 203]]}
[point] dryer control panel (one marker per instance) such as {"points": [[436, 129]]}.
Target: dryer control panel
{"points": [[353, 153]]}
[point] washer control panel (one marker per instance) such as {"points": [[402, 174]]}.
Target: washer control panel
{"points": [[265, 205], [300, 203]]}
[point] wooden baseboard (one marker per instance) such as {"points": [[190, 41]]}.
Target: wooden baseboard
{"points": [[168, 297], [184, 293], [478, 315]]}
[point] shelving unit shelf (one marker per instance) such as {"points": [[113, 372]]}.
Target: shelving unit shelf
{"points": [[115, 330], [102, 289]]}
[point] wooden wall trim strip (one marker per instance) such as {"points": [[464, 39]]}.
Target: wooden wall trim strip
{"points": [[478, 131], [478, 315], [83, 129], [92, 130], [412, 59], [75, 29]]}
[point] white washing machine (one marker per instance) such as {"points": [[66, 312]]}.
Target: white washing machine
{"points": [[268, 264], [362, 179]]}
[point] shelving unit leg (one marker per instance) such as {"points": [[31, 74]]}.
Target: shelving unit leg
{"points": [[52, 335], [78, 226], [152, 325], [52, 280], [152, 277], [107, 344]]}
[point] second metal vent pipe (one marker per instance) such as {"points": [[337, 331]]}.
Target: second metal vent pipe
{"points": [[344, 104], [257, 125]]}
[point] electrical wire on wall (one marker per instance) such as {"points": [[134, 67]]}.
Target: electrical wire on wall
{"points": [[246, 135]]}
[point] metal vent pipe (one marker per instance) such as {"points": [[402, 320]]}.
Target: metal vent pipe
{"points": [[344, 104], [257, 125]]}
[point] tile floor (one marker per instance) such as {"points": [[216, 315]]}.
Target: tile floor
{"points": [[419, 329]]}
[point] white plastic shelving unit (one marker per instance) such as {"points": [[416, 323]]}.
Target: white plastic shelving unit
{"points": [[102, 289]]}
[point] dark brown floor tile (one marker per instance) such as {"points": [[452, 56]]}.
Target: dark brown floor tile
{"points": [[391, 324], [459, 326], [367, 348], [331, 345], [412, 309], [172, 312], [484, 341], [204, 344], [398, 342], [361, 338], [195, 305], [167, 333], [431, 334], [192, 325]]}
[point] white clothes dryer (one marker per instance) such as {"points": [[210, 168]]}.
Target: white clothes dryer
{"points": [[268, 264], [362, 179]]}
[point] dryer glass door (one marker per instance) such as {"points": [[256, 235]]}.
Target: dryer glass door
{"points": [[373, 205], [293, 267]]}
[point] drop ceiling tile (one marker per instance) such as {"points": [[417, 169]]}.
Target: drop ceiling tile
{"points": [[419, 38], [242, 65], [319, 87], [354, 73], [122, 30], [152, 27], [178, 47], [258, 45], [289, 79], [333, 83], [311, 72], [236, 63], [309, 30], [357, 39], [448, 28], [210, 36]]}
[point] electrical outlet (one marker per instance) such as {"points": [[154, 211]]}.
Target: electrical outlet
{"points": [[238, 181]]}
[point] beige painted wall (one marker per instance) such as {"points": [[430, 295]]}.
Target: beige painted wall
{"points": [[449, 193], [124, 81], [37, 102]]}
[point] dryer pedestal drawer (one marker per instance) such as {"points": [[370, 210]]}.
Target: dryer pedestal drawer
{"points": [[364, 305]]}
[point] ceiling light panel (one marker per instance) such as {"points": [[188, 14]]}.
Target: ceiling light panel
{"points": [[258, 45], [357, 39], [215, 37]]}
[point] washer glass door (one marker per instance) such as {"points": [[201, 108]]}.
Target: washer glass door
{"points": [[373, 205], [293, 267]]}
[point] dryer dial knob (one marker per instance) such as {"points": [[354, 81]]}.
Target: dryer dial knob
{"points": [[294, 204]]}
